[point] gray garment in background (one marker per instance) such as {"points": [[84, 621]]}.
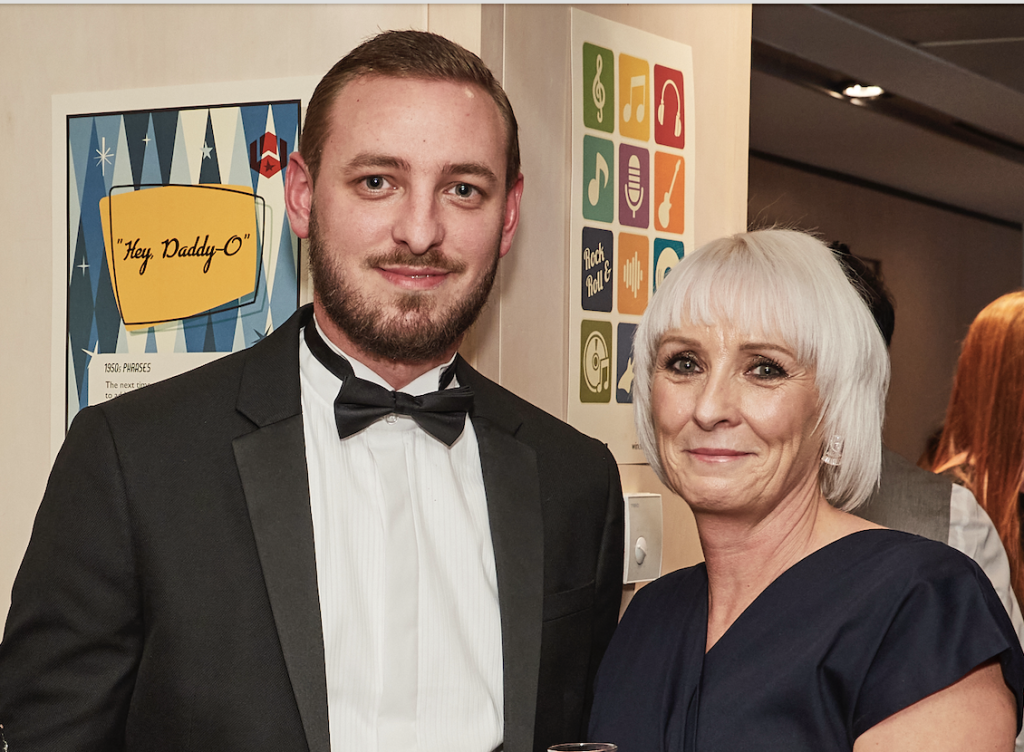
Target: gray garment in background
{"points": [[909, 499]]}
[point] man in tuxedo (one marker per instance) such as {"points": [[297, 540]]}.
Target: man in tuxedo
{"points": [[278, 551]]}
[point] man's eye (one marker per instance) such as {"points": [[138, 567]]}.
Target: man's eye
{"points": [[374, 182], [464, 190]]}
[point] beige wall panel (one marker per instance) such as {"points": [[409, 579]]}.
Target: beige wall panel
{"points": [[534, 318], [460, 23], [941, 268]]}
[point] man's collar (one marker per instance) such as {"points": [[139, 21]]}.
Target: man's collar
{"points": [[427, 382]]}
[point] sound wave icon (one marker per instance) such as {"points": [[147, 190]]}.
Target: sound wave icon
{"points": [[633, 275]]}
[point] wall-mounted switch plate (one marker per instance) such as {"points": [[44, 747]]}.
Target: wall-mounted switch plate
{"points": [[642, 560]]}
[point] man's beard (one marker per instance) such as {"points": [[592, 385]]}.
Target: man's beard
{"points": [[420, 331]]}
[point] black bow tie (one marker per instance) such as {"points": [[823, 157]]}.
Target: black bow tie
{"points": [[442, 414]]}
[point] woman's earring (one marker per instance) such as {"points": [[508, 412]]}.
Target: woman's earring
{"points": [[833, 451]]}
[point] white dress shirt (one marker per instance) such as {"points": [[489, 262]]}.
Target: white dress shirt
{"points": [[406, 576], [972, 532]]}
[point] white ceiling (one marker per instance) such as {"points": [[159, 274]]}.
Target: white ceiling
{"points": [[963, 66]]}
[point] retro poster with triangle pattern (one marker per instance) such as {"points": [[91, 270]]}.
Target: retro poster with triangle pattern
{"points": [[178, 247]]}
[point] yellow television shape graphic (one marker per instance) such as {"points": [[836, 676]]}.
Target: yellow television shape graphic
{"points": [[176, 251]]}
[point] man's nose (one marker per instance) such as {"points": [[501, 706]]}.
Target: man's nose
{"points": [[419, 225]]}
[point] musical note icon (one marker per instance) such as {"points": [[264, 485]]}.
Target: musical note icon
{"points": [[665, 207], [636, 82], [597, 89], [594, 186], [597, 173]]}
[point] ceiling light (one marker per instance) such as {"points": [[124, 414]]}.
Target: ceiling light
{"points": [[856, 91]]}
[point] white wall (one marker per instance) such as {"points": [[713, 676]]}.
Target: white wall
{"points": [[48, 49]]}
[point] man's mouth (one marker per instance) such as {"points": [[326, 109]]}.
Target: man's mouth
{"points": [[413, 278]]}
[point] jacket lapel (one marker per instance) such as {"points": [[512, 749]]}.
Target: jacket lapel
{"points": [[271, 462], [517, 532]]}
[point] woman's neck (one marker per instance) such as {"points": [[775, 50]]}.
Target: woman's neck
{"points": [[743, 559]]}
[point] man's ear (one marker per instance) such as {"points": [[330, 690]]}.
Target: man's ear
{"points": [[511, 218], [298, 194]]}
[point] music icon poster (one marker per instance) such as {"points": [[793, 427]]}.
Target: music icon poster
{"points": [[176, 245], [632, 217]]}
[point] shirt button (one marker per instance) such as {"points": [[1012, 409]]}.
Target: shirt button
{"points": [[392, 419]]}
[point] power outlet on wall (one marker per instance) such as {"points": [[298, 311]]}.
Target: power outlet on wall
{"points": [[642, 559]]}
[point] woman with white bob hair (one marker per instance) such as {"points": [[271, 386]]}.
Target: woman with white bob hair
{"points": [[759, 391]]}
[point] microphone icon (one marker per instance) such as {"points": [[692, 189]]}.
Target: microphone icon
{"points": [[634, 190]]}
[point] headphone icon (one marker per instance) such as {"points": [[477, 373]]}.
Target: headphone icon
{"points": [[661, 107]]}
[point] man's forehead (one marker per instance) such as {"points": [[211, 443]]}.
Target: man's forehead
{"points": [[375, 104], [367, 82], [361, 96]]}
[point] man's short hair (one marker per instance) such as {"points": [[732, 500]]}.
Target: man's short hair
{"points": [[406, 54]]}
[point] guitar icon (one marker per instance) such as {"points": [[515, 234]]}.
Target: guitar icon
{"points": [[665, 207]]}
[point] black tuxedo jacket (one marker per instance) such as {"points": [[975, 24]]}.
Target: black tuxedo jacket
{"points": [[168, 597]]}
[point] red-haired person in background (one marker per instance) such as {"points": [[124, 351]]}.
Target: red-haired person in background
{"points": [[982, 442]]}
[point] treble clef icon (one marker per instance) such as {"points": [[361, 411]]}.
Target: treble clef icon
{"points": [[597, 89]]}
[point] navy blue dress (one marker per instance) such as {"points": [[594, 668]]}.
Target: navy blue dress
{"points": [[845, 638]]}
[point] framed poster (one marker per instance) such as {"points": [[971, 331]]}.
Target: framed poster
{"points": [[632, 209], [172, 246]]}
